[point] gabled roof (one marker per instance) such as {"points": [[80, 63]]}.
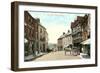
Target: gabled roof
{"points": [[77, 21]]}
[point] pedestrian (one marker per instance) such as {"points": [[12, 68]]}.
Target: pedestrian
{"points": [[65, 50]]}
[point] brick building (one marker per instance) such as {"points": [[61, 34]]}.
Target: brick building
{"points": [[30, 34], [35, 36], [86, 27], [81, 31], [86, 35], [76, 27]]}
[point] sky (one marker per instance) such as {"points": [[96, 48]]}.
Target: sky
{"points": [[55, 22]]}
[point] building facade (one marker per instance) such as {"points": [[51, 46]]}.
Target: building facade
{"points": [[35, 36], [60, 44], [77, 32], [81, 32], [65, 40], [86, 28], [43, 38], [86, 35], [30, 34]]}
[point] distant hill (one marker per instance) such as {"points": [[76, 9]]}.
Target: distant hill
{"points": [[52, 45]]}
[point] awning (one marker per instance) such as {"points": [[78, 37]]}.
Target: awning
{"points": [[86, 41]]}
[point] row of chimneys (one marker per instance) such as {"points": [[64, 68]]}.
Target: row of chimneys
{"points": [[67, 32]]}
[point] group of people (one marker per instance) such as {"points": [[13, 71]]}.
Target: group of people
{"points": [[73, 51]]}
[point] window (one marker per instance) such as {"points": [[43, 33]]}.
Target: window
{"points": [[40, 30]]}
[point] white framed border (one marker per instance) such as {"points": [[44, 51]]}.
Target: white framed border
{"points": [[34, 64]]}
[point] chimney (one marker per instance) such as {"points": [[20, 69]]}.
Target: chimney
{"points": [[68, 31], [63, 33]]}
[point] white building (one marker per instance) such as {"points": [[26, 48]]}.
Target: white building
{"points": [[43, 38], [60, 42], [65, 40]]}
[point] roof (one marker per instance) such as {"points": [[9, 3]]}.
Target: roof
{"points": [[64, 35], [78, 20]]}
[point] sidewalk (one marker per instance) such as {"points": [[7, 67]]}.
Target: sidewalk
{"points": [[31, 57], [84, 56], [28, 58]]}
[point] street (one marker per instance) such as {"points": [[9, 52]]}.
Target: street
{"points": [[58, 55]]}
